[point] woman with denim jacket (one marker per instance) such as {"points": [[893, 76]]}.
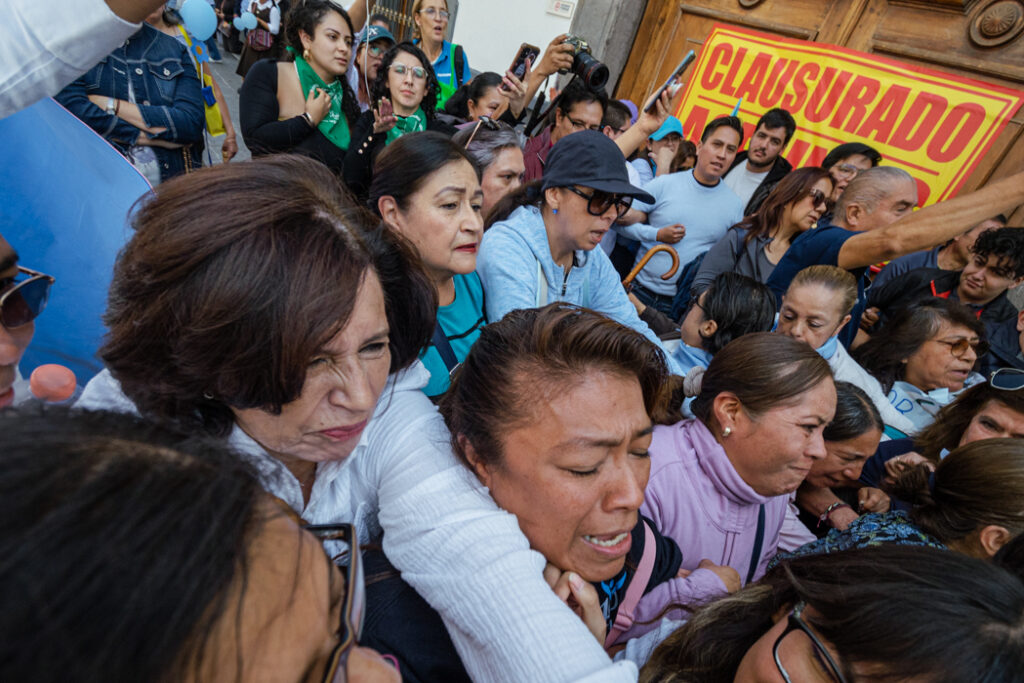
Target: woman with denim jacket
{"points": [[144, 98]]}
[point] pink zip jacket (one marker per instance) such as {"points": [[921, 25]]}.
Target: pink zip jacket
{"points": [[697, 498]]}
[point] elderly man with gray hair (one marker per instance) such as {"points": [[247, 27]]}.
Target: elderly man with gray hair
{"points": [[874, 222]]}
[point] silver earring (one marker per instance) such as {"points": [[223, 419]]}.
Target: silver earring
{"points": [[207, 395], [727, 431]]}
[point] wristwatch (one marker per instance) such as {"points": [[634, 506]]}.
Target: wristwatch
{"points": [[111, 106]]}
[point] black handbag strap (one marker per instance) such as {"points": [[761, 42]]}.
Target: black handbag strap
{"points": [[440, 341], [755, 559]]}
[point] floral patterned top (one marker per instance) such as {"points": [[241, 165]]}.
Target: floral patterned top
{"points": [[866, 531]]}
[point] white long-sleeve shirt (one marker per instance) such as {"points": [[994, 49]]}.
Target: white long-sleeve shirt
{"points": [[46, 44], [463, 554]]}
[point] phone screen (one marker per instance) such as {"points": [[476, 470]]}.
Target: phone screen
{"points": [[526, 51], [673, 78]]}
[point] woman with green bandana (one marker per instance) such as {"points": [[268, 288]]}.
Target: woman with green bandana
{"points": [[304, 106], [403, 102]]}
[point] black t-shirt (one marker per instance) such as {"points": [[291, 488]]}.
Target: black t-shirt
{"points": [[666, 565]]}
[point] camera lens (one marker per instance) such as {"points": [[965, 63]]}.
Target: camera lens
{"points": [[593, 72]]}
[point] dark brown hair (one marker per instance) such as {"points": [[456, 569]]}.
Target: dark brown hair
{"points": [[884, 354], [537, 350], [791, 189], [979, 483], [952, 420], [764, 370], [235, 278]]}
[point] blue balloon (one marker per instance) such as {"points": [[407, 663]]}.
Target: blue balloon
{"points": [[199, 17], [249, 20], [238, 23]]}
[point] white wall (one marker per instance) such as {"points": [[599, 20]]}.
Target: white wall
{"points": [[492, 30]]}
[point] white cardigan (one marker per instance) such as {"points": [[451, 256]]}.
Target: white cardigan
{"points": [[463, 554]]}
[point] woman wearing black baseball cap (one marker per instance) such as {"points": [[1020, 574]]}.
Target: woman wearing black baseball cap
{"points": [[539, 243]]}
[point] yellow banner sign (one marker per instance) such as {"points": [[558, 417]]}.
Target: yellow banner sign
{"points": [[934, 125]]}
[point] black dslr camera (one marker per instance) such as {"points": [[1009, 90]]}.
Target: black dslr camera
{"points": [[591, 71]]}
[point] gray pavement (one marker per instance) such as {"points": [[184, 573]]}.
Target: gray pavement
{"points": [[229, 82]]}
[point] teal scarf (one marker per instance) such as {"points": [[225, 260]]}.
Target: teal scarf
{"points": [[414, 123], [335, 125]]}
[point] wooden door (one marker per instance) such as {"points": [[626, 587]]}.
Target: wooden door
{"points": [[981, 39]]}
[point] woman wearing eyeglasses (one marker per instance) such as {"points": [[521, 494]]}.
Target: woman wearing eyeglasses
{"points": [[988, 410], [755, 245], [427, 189], [448, 61], [846, 162], [924, 356], [540, 245], [23, 295], [140, 555], [404, 97], [305, 106], [911, 614], [288, 325]]}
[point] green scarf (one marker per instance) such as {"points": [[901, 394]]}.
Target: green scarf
{"points": [[335, 125], [415, 122]]}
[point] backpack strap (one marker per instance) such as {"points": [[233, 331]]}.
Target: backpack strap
{"points": [[458, 65], [542, 287], [638, 584], [444, 348], [755, 558]]}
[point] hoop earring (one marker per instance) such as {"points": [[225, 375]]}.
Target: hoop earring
{"points": [[207, 395], [726, 432]]}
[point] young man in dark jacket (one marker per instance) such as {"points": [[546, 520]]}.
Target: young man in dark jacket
{"points": [[756, 170]]}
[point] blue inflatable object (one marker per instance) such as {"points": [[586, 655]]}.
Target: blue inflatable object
{"points": [[65, 195], [199, 17], [249, 21], [237, 21]]}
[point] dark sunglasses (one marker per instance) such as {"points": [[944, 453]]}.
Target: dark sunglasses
{"points": [[599, 201], [355, 596], [1007, 379], [22, 302], [818, 197]]}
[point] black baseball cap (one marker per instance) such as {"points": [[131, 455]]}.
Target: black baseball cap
{"points": [[593, 160]]}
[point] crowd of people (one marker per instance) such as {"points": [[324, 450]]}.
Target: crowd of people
{"points": [[448, 387]]}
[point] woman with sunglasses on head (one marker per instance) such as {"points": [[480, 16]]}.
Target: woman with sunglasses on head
{"points": [[911, 614], [427, 189], [540, 243], [755, 245], [23, 296], [924, 356], [449, 62], [289, 325], [497, 151], [987, 410], [970, 503], [815, 309], [305, 106], [404, 96], [141, 554]]}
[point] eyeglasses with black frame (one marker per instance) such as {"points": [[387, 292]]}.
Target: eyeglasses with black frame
{"points": [[353, 610], [599, 201], [22, 301], [791, 648], [1007, 379]]}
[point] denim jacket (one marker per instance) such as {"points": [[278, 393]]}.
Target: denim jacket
{"points": [[166, 89]]}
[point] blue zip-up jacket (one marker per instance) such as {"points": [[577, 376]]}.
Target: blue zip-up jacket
{"points": [[166, 89], [507, 266]]}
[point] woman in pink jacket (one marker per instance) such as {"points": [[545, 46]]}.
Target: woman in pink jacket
{"points": [[719, 483]]}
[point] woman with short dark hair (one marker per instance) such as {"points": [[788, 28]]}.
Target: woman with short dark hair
{"points": [[925, 356], [289, 324]]}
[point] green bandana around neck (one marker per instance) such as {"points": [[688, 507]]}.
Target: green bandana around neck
{"points": [[414, 123], [335, 125]]}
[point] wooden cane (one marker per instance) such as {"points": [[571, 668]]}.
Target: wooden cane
{"points": [[647, 257]]}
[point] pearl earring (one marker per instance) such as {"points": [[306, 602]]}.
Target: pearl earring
{"points": [[727, 431]]}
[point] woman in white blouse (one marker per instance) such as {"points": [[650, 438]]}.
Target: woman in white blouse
{"points": [[289, 325]]}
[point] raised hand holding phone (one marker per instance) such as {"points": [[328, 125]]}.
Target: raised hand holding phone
{"points": [[671, 85]]}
